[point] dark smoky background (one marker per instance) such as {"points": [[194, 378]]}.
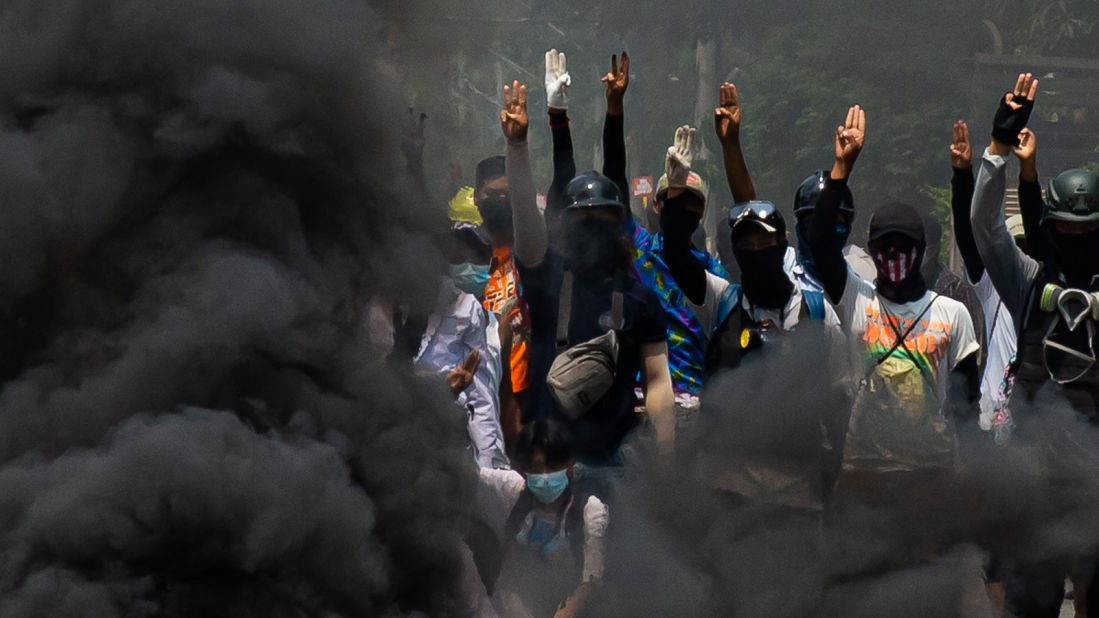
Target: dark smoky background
{"points": [[201, 198]]}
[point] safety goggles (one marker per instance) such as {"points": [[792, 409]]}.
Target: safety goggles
{"points": [[763, 213]]}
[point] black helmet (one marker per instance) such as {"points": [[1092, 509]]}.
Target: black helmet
{"points": [[592, 190], [1073, 196], [760, 213], [808, 194]]}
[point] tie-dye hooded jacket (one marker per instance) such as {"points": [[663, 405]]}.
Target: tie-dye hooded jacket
{"points": [[686, 339]]}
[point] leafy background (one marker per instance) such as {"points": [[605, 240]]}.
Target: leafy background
{"points": [[798, 66]]}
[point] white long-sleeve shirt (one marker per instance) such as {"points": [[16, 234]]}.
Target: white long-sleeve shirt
{"points": [[459, 326]]}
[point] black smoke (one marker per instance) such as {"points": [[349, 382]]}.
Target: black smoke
{"points": [[200, 200]]}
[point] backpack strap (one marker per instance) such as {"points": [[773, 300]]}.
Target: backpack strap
{"points": [[564, 310], [725, 351], [813, 300], [1032, 301], [618, 320]]}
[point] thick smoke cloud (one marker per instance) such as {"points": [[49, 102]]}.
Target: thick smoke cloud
{"points": [[200, 199], [680, 548]]}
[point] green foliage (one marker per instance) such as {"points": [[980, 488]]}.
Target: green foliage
{"points": [[940, 209], [798, 65]]}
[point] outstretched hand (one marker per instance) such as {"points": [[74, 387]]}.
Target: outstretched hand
{"points": [[558, 80], [513, 118], [727, 115], [849, 140], [1014, 110], [461, 376], [677, 163], [961, 150], [1027, 152], [616, 83]]}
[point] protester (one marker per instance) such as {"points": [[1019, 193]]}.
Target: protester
{"points": [[550, 534], [761, 458], [458, 330], [914, 354], [767, 302], [805, 201], [665, 262], [1055, 380], [999, 326], [603, 298], [941, 279], [503, 294], [469, 265], [798, 264]]}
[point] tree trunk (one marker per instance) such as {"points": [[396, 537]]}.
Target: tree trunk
{"points": [[706, 69]]}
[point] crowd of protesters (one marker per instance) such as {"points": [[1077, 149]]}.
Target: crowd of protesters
{"points": [[584, 345]]}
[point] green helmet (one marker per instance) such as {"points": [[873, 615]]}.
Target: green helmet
{"points": [[1073, 196]]}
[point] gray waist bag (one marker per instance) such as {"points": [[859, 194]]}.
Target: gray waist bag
{"points": [[581, 375]]}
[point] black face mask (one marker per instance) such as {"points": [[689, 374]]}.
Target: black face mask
{"points": [[805, 252], [1077, 256], [593, 248], [762, 275], [678, 224], [496, 212]]}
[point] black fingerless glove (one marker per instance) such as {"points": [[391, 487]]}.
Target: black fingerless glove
{"points": [[1009, 122]]}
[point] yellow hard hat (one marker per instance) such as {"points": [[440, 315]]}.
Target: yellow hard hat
{"points": [[462, 209]]}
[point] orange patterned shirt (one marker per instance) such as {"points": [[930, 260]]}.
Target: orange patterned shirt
{"points": [[503, 286]]}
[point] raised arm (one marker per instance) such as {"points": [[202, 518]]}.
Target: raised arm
{"points": [[530, 228], [827, 251], [1010, 270], [961, 197], [727, 125], [1030, 196], [614, 136], [564, 163], [687, 271]]}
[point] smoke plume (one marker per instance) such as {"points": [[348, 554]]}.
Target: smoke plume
{"points": [[200, 199]]}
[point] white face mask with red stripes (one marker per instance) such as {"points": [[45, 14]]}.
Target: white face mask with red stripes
{"points": [[894, 265]]}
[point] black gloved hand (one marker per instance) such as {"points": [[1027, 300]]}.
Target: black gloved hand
{"points": [[1009, 122]]}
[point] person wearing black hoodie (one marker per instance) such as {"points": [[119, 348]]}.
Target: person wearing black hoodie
{"points": [[914, 354]]}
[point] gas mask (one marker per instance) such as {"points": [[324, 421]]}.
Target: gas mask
{"points": [[1073, 308]]}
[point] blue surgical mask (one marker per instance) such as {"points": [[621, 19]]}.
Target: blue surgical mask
{"points": [[470, 278], [548, 487]]}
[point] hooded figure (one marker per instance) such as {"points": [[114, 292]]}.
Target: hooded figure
{"points": [[758, 233], [897, 243]]}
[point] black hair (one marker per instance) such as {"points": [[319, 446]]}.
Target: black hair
{"points": [[490, 168], [543, 435]]}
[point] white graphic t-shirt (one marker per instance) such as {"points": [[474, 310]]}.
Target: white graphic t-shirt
{"points": [[1001, 342], [897, 420]]}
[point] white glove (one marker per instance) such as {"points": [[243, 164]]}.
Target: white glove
{"points": [[557, 80], [677, 163]]}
